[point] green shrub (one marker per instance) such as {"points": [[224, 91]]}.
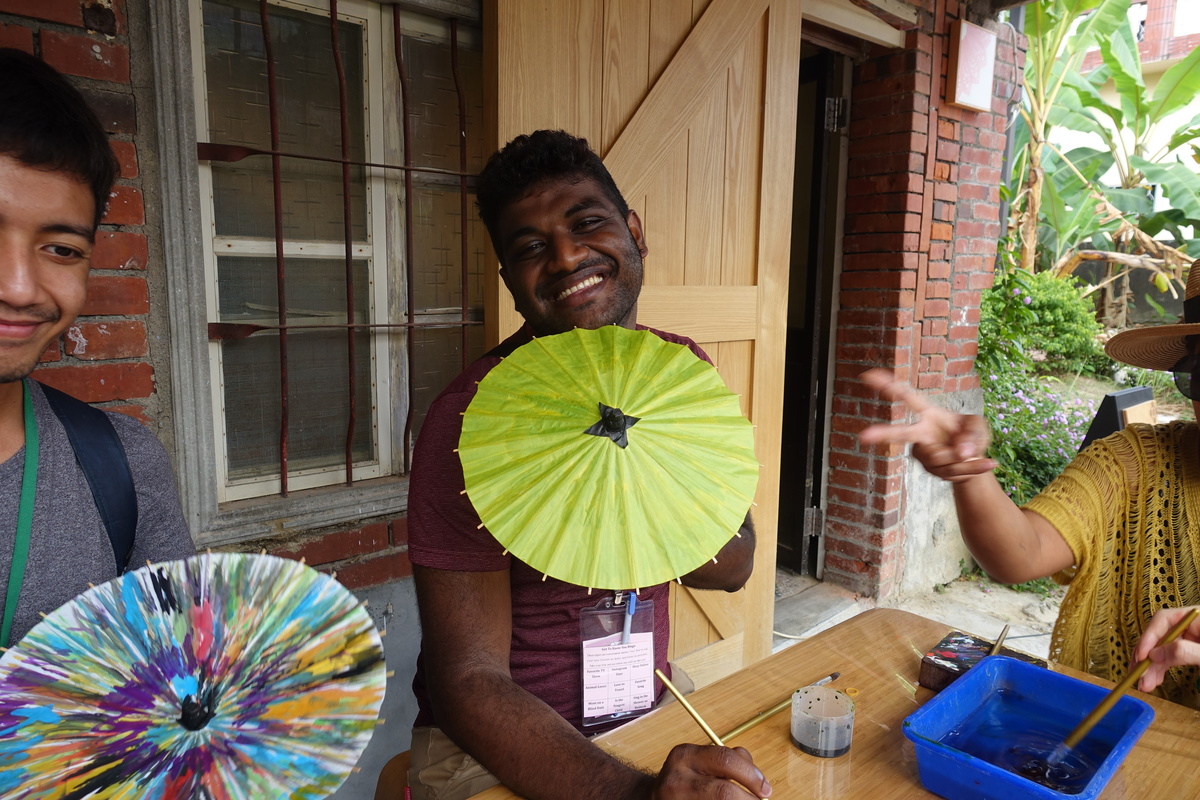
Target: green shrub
{"points": [[1034, 433], [1066, 327], [1024, 312], [1004, 318]]}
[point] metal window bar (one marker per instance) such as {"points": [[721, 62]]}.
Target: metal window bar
{"points": [[409, 254], [344, 118], [280, 278], [211, 151], [462, 185]]}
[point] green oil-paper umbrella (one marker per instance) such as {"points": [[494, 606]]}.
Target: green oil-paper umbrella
{"points": [[608, 458]]}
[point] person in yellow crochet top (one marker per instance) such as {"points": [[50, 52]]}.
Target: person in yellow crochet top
{"points": [[1120, 525]]}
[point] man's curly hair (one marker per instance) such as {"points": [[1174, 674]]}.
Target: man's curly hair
{"points": [[532, 158]]}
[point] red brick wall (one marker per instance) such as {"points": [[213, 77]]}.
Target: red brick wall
{"points": [[922, 221], [363, 557], [102, 358]]}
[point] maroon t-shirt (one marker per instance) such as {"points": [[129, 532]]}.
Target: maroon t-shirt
{"points": [[444, 533]]}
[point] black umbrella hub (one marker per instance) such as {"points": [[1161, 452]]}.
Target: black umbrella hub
{"points": [[198, 710], [614, 424]]}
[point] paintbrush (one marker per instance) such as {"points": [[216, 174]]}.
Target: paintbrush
{"points": [[709, 732], [999, 642], [1097, 713], [712, 735], [775, 709]]}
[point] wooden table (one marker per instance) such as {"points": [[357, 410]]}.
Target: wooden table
{"points": [[879, 653]]}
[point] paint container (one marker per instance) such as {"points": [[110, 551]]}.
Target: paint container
{"points": [[979, 738], [956, 653], [822, 721]]}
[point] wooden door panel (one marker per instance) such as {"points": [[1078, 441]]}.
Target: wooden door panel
{"points": [[705, 191], [702, 313], [735, 362], [661, 208], [627, 70], [692, 104], [702, 60], [743, 163]]}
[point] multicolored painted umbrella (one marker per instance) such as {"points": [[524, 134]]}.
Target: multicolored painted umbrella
{"points": [[221, 676], [608, 458]]}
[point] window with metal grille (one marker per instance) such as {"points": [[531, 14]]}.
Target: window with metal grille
{"points": [[342, 255]]}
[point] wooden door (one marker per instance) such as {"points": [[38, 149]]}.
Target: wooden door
{"points": [[692, 104]]}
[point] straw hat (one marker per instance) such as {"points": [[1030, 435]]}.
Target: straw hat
{"points": [[1161, 346]]}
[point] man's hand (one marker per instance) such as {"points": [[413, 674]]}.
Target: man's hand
{"points": [[693, 771], [1184, 650], [950, 446]]}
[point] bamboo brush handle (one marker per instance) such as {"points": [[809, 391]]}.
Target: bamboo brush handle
{"points": [[1138, 670], [712, 735]]}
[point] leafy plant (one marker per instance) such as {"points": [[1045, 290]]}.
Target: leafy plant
{"points": [[1056, 51], [1022, 313], [1044, 588], [1065, 211], [1066, 326], [1034, 433], [1005, 316]]}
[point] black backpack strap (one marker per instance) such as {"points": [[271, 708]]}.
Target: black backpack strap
{"points": [[100, 455]]}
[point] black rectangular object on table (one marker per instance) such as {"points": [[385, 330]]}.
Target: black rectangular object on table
{"points": [[956, 653]]}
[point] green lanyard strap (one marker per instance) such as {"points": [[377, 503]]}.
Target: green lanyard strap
{"points": [[16, 570]]}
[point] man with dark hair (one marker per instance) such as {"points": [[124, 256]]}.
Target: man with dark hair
{"points": [[499, 682], [56, 170]]}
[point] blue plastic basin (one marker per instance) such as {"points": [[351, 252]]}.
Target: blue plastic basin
{"points": [[1027, 691]]}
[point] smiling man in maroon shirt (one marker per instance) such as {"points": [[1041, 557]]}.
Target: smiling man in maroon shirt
{"points": [[499, 681]]}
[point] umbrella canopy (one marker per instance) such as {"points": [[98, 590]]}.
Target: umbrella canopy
{"points": [[608, 458], [220, 676]]}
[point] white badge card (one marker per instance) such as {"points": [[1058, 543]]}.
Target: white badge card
{"points": [[618, 659]]}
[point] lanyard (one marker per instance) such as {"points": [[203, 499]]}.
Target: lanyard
{"points": [[16, 570]]}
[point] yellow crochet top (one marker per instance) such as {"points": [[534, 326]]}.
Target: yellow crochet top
{"points": [[1129, 507]]}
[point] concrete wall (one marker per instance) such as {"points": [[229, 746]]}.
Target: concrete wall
{"points": [[394, 608], [933, 550]]}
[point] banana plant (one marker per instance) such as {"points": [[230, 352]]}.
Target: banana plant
{"points": [[1065, 200], [1058, 42]]}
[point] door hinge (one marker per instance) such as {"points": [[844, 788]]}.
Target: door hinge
{"points": [[814, 522], [836, 109]]}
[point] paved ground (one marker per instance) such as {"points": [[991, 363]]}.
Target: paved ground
{"points": [[981, 607], [805, 606]]}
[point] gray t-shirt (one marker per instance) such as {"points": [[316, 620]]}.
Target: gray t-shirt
{"points": [[69, 546]]}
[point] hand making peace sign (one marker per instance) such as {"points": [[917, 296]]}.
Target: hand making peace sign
{"points": [[949, 445]]}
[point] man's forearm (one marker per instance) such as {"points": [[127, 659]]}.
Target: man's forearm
{"points": [[528, 746], [732, 566]]}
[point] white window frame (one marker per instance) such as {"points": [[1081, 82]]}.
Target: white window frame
{"points": [[215, 514], [374, 251]]}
